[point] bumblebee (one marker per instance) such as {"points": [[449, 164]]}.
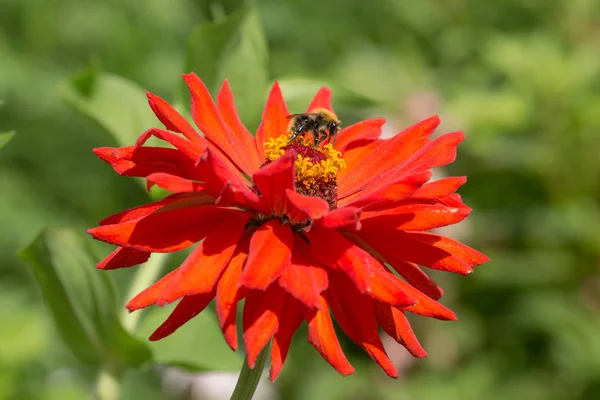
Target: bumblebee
{"points": [[321, 123]]}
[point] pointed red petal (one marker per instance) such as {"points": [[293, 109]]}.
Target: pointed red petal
{"points": [[172, 120], [301, 207], [188, 308], [207, 118], [143, 161], [322, 336], [201, 269], [388, 288], [322, 100], [262, 311], [388, 155], [386, 196], [273, 180], [333, 250], [165, 231], [462, 252], [123, 257], [354, 312], [190, 149], [395, 324], [440, 188], [215, 171], [149, 295], [229, 114], [361, 131], [173, 183], [241, 196], [270, 253], [417, 216], [274, 120], [229, 294], [344, 217], [303, 278], [355, 154], [416, 277], [289, 321]]}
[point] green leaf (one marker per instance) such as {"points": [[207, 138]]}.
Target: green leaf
{"points": [[116, 104], [83, 300], [198, 345], [5, 137], [233, 48]]}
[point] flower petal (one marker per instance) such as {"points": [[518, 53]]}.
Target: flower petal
{"points": [[188, 308], [301, 207], [235, 195], [173, 183], [416, 277], [164, 231], [190, 149], [364, 131], [229, 294], [355, 154], [395, 324], [355, 315], [303, 278], [322, 100], [172, 120], [148, 296], [273, 180], [289, 321], [207, 118], [459, 251], [262, 310], [389, 154], [270, 253], [216, 172], [229, 114], [440, 188], [322, 336], [388, 288], [143, 161], [386, 196], [344, 217], [201, 269], [274, 120], [123, 257], [333, 250]]}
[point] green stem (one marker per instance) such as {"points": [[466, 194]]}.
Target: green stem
{"points": [[145, 276], [248, 380]]}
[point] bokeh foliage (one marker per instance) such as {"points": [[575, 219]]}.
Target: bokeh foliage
{"points": [[521, 78]]}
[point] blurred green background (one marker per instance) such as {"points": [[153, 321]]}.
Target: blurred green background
{"points": [[520, 77]]}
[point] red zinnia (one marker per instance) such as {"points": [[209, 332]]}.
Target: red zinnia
{"points": [[293, 230]]}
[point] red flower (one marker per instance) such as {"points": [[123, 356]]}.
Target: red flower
{"points": [[293, 230]]}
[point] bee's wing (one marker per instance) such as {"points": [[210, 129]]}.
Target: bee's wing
{"points": [[300, 114]]}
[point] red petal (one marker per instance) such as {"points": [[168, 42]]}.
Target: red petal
{"points": [[201, 269], [388, 155], [354, 312], [273, 180], [345, 217], [173, 201], [301, 207], [289, 321], [274, 120], [388, 288], [261, 319], [399, 244], [188, 308], [123, 257], [270, 253], [242, 196], [361, 131], [216, 172], [395, 324], [440, 188], [149, 295], [356, 153], [322, 336], [384, 197], [172, 120], [322, 100], [207, 118], [462, 252], [333, 250], [143, 161], [190, 149], [229, 114], [165, 231], [173, 183], [416, 277], [229, 294], [303, 278]]}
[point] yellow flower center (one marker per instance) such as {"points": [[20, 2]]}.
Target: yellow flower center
{"points": [[313, 166]]}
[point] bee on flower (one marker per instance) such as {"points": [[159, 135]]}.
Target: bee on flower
{"points": [[295, 225]]}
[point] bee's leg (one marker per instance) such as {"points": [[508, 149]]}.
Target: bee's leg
{"points": [[300, 128], [317, 136]]}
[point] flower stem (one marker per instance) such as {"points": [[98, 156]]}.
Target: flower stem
{"points": [[145, 276], [248, 380]]}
